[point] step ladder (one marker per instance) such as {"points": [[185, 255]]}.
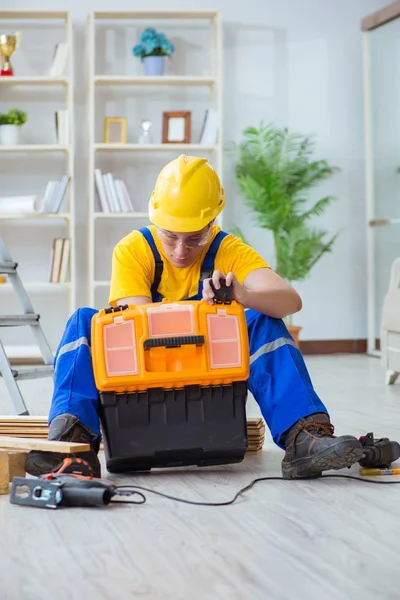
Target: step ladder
{"points": [[11, 376]]}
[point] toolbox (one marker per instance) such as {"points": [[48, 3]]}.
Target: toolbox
{"points": [[172, 379]]}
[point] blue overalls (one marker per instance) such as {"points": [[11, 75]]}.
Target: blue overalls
{"points": [[278, 380]]}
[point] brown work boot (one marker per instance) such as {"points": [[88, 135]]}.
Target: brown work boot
{"points": [[312, 448], [64, 428]]}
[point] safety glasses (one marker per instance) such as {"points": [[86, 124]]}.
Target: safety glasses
{"points": [[172, 239]]}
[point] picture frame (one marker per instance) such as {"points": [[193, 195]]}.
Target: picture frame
{"points": [[176, 127], [115, 130]]}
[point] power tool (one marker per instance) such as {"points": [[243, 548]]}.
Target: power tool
{"points": [[72, 484], [378, 453]]}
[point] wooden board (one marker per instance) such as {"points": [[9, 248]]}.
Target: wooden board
{"points": [[4, 478], [35, 429], [38, 444]]}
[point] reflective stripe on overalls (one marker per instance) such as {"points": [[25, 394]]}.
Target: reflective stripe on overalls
{"points": [[278, 380]]}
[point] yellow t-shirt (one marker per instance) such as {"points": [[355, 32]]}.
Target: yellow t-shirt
{"points": [[133, 267]]}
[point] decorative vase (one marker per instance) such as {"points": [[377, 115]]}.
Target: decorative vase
{"points": [[9, 135], [294, 331], [154, 65]]}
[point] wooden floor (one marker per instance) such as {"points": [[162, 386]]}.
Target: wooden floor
{"points": [[303, 540]]}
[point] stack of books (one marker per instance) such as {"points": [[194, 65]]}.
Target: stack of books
{"points": [[113, 194], [55, 194], [59, 260]]}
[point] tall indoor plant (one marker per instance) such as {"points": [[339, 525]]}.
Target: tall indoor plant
{"points": [[275, 171]]}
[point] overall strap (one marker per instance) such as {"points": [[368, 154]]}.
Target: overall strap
{"points": [[207, 267], [159, 265]]}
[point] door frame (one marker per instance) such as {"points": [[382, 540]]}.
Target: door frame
{"points": [[369, 23]]}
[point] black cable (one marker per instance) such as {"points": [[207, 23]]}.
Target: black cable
{"points": [[141, 501], [247, 488]]}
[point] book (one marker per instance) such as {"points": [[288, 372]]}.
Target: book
{"points": [[46, 203], [59, 60], [209, 132], [62, 127], [54, 195], [56, 256], [65, 259], [111, 193], [59, 194], [123, 196], [101, 191]]}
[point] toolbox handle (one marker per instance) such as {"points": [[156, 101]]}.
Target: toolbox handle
{"points": [[174, 342]]}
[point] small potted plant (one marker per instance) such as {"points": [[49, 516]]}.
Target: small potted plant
{"points": [[9, 126], [152, 49]]}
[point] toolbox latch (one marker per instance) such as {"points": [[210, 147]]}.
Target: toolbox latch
{"points": [[114, 309]]}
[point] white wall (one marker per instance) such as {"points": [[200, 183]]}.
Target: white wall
{"points": [[299, 64]]}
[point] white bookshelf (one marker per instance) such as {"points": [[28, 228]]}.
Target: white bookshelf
{"points": [[116, 84], [39, 227]]}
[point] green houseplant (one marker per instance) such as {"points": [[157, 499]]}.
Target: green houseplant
{"points": [[9, 126], [275, 171]]}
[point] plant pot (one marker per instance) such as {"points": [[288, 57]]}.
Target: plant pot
{"points": [[9, 135], [154, 65], [294, 331]]}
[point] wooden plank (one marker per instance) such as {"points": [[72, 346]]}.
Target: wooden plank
{"points": [[22, 419], [4, 474], [38, 444], [16, 464], [381, 17]]}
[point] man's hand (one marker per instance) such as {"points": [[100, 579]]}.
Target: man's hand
{"points": [[239, 292]]}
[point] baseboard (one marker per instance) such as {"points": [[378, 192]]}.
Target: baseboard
{"points": [[333, 346], [31, 354]]}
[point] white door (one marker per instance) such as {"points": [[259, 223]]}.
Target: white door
{"points": [[382, 111]]}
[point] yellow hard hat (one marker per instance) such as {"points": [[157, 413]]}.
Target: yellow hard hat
{"points": [[187, 196]]}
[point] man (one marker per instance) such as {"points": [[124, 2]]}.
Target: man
{"points": [[176, 258]]}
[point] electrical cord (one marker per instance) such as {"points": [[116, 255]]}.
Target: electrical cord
{"points": [[128, 490]]}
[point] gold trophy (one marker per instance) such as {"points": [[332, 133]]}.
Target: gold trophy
{"points": [[8, 45]]}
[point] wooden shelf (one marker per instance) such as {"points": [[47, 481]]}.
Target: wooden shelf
{"points": [[33, 14], [36, 217], [43, 286], [154, 80], [22, 148], [101, 283], [153, 147], [155, 14], [121, 215], [39, 80]]}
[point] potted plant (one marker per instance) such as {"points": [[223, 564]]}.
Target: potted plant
{"points": [[275, 171], [152, 49], [9, 126]]}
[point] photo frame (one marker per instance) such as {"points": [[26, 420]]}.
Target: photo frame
{"points": [[115, 129], [176, 127]]}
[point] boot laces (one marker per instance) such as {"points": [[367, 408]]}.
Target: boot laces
{"points": [[319, 427]]}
